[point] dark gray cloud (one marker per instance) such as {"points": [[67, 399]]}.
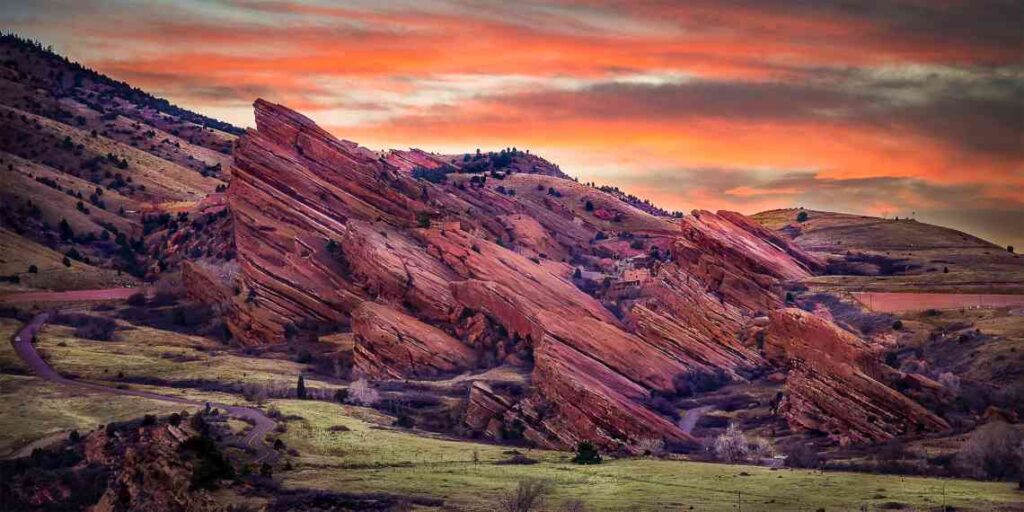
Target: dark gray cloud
{"points": [[975, 109], [966, 207]]}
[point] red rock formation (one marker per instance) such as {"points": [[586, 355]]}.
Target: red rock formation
{"points": [[393, 345], [326, 231], [833, 385], [733, 259]]}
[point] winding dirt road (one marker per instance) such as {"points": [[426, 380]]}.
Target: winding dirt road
{"points": [[262, 424], [71, 295]]}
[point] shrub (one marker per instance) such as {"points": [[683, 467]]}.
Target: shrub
{"points": [[32, 269], [1009, 249], [66, 261], [801, 217], [897, 325], [528, 495], [652, 447], [586, 453], [210, 465], [695, 381], [137, 299], [423, 219], [404, 421], [802, 456], [517, 459], [589, 206], [93, 327], [341, 395], [437, 175], [174, 419]]}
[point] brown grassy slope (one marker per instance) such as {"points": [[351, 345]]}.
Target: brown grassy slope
{"points": [[78, 146], [18, 253], [899, 255]]}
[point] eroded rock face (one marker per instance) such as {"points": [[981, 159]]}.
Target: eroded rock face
{"points": [[441, 278], [393, 345], [834, 382]]}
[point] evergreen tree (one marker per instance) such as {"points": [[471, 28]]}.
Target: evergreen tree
{"points": [[586, 453], [300, 390]]}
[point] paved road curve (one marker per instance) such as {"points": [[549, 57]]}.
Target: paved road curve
{"points": [[262, 424]]}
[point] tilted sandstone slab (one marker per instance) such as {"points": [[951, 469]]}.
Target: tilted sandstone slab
{"points": [[393, 345], [327, 231], [730, 256], [832, 385]]}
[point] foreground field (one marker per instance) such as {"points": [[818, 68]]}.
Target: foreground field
{"points": [[346, 449], [353, 449]]}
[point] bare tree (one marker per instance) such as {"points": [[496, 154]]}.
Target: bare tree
{"points": [[951, 383], [734, 446], [731, 446], [991, 452], [529, 495], [361, 393], [652, 447]]}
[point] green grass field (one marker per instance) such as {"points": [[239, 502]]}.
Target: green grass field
{"points": [[369, 457], [354, 449], [139, 351], [34, 409]]}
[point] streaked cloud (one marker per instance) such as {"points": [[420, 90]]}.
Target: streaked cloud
{"points": [[744, 104]]}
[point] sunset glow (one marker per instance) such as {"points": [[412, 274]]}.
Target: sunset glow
{"points": [[901, 108]]}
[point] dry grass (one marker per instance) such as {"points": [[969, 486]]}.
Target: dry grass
{"points": [[18, 253], [34, 408], [371, 458], [142, 352]]}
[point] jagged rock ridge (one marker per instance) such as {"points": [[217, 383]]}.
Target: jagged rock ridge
{"points": [[438, 277]]}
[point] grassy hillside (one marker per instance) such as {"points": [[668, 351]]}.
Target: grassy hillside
{"points": [[82, 156], [904, 255], [347, 449]]}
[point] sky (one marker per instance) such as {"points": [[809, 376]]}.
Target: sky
{"points": [[889, 108]]}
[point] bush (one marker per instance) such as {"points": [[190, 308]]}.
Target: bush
{"points": [[528, 495], [801, 217], [802, 456], [586, 453], [32, 269], [404, 421], [897, 325], [695, 381], [423, 220], [210, 465], [734, 446], [137, 299]]}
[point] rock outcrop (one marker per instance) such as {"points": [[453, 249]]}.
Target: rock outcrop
{"points": [[438, 278], [392, 345], [834, 382]]}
